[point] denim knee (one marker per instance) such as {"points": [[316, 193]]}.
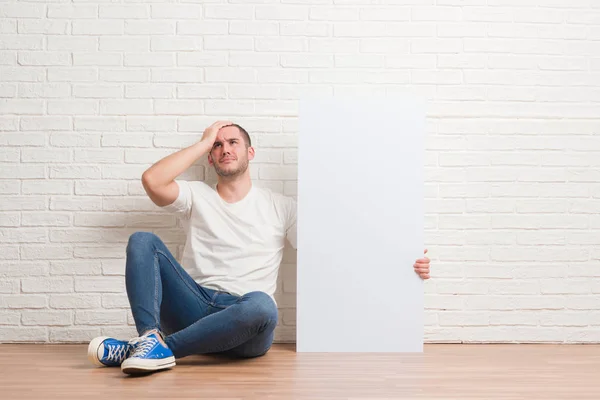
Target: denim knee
{"points": [[140, 240], [263, 307]]}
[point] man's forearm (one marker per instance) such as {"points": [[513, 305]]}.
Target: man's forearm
{"points": [[167, 169]]}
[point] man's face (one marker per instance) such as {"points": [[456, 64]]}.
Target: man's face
{"points": [[229, 154]]}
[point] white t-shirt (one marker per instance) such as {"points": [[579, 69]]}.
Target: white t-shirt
{"points": [[234, 247]]}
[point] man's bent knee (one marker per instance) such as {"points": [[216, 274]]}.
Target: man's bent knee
{"points": [[141, 240], [263, 306]]}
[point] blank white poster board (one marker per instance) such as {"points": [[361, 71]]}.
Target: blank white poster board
{"points": [[360, 225]]}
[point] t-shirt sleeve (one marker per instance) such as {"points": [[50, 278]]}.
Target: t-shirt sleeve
{"points": [[183, 203], [291, 231]]}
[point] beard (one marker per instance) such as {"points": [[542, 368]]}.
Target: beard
{"points": [[228, 173]]}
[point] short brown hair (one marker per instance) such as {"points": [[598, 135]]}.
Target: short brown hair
{"points": [[245, 134]]}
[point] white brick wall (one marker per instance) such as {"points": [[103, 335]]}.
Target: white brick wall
{"points": [[92, 94]]}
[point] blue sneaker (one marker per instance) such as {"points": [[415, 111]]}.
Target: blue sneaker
{"points": [[150, 353], [108, 352]]}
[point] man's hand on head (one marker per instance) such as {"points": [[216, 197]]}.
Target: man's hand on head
{"points": [[421, 266], [210, 133]]}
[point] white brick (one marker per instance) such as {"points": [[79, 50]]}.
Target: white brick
{"points": [[200, 91], [126, 107], [74, 267], [46, 123], [74, 140], [149, 60], [21, 10], [100, 188], [176, 11], [102, 124], [115, 301], [68, 43], [23, 334], [124, 11], [47, 285], [258, 28], [178, 107], [45, 219], [72, 74], [23, 301], [338, 45], [188, 124], [44, 90], [153, 27], [8, 90], [22, 74], [154, 123], [204, 59], [253, 92], [8, 57], [70, 107], [123, 171], [74, 172], [461, 30], [229, 12], [123, 43], [97, 59], [14, 42], [47, 318], [78, 203], [127, 204], [281, 12], [9, 203], [88, 317], [175, 43], [184, 75], [146, 91], [18, 106], [46, 155], [8, 123], [100, 284], [281, 172], [79, 235], [8, 26], [99, 156], [46, 186], [24, 269], [75, 11], [10, 318], [8, 286], [337, 13], [75, 301], [43, 26], [282, 44], [10, 155], [10, 187], [97, 91], [22, 171], [73, 335]]}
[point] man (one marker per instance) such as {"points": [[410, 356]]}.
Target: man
{"points": [[222, 301]]}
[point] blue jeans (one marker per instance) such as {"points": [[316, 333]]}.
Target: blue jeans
{"points": [[194, 319]]}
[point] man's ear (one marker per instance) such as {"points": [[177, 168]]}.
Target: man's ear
{"points": [[250, 153], [210, 160]]}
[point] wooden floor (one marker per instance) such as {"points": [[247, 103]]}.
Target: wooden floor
{"points": [[29, 371]]}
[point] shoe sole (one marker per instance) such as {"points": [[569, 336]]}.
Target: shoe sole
{"points": [[145, 366], [93, 350]]}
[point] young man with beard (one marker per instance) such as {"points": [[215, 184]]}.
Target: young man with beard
{"points": [[220, 299]]}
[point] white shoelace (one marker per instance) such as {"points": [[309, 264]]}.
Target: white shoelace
{"points": [[116, 353], [142, 345]]}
